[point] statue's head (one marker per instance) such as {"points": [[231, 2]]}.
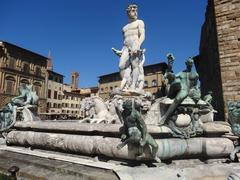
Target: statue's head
{"points": [[189, 62], [132, 11], [127, 105]]}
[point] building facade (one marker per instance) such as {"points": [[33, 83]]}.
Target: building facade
{"points": [[71, 102], [218, 62], [54, 92], [153, 75], [21, 66]]}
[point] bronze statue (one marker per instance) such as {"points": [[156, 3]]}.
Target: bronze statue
{"points": [[180, 85], [134, 130], [28, 99], [234, 120]]}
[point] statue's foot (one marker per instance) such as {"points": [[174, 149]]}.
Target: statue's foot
{"points": [[140, 157], [157, 159]]}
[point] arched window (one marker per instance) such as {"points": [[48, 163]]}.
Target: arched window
{"points": [[37, 88], [154, 83], [145, 83], [24, 81]]}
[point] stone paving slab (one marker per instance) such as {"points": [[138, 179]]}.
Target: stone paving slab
{"points": [[67, 166]]}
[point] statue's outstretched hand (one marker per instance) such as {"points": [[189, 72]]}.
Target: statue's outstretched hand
{"points": [[117, 52], [123, 136]]}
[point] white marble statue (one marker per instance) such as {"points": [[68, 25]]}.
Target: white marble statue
{"points": [[131, 55], [97, 111]]}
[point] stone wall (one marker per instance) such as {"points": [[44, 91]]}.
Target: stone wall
{"points": [[218, 62]]}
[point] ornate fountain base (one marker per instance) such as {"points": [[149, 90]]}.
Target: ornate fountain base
{"points": [[102, 139]]}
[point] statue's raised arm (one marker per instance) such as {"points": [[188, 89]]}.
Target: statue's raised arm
{"points": [[170, 59]]}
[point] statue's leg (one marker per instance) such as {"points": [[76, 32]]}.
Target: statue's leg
{"points": [[123, 65], [135, 72], [151, 142], [178, 100], [124, 143], [124, 60], [126, 78]]}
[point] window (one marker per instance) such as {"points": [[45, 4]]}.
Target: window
{"points": [[9, 86], [154, 83], [49, 93], [26, 68], [111, 88], [59, 105], [50, 77], [55, 95], [24, 81], [145, 83], [48, 105], [59, 97], [55, 105], [56, 79], [38, 71], [12, 63], [37, 89]]}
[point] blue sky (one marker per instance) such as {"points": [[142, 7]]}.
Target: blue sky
{"points": [[80, 33]]}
